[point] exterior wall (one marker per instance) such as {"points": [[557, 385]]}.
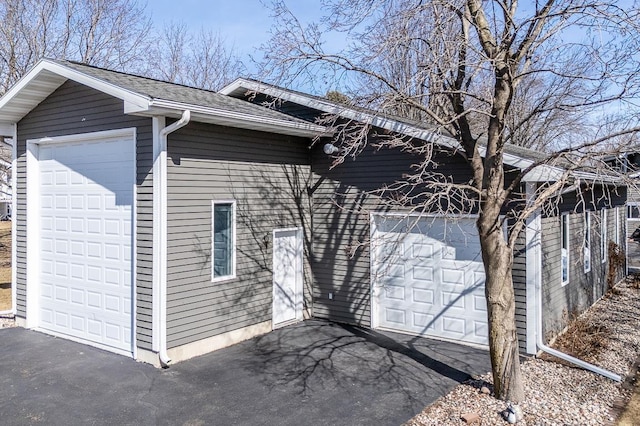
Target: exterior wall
{"points": [[342, 203], [558, 301], [519, 275], [268, 176], [633, 199], [74, 109]]}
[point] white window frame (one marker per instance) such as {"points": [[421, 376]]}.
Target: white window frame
{"points": [[587, 242], [604, 239], [630, 208], [233, 240], [564, 251], [616, 237]]}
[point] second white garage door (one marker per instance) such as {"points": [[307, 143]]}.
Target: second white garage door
{"points": [[86, 199], [428, 278]]}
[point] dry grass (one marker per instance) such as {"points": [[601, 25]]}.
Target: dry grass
{"points": [[5, 266], [584, 338]]}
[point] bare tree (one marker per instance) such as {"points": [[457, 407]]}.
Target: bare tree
{"points": [[487, 73], [201, 59], [111, 34]]}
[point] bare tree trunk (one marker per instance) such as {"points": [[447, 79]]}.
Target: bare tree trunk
{"points": [[503, 338]]}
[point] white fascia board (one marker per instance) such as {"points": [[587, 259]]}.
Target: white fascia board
{"points": [[330, 108], [240, 119], [31, 78], [547, 173], [597, 177], [544, 173], [510, 159], [240, 85], [114, 90]]}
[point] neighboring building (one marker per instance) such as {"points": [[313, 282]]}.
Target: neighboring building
{"points": [[158, 220], [5, 180], [628, 163]]}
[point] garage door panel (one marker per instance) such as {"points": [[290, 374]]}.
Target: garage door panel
{"points": [[442, 277], [451, 300], [423, 296], [422, 275], [449, 275], [394, 292], [480, 330], [395, 316], [454, 326], [423, 250], [86, 197], [423, 322]]}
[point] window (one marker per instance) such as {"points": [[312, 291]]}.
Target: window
{"points": [[633, 211], [604, 243], [616, 237], [564, 236], [223, 226], [587, 242]]}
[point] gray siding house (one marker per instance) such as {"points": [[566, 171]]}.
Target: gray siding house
{"points": [[161, 222], [427, 294], [151, 219]]}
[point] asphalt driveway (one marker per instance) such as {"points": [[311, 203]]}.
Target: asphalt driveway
{"points": [[313, 373]]}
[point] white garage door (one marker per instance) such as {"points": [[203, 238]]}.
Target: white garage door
{"points": [[428, 278], [86, 198]]}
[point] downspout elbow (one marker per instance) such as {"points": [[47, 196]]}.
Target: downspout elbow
{"points": [[183, 121], [587, 366], [566, 357], [165, 360]]}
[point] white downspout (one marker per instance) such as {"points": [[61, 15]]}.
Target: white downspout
{"points": [[534, 244], [162, 248]]}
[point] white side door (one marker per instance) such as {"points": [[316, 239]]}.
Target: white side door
{"points": [[287, 276]]}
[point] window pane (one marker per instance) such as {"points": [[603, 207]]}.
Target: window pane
{"points": [[564, 251], [222, 239]]}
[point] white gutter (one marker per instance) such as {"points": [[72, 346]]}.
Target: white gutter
{"points": [[534, 249], [162, 240], [266, 123], [14, 157]]}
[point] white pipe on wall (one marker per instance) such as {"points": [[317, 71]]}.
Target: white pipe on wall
{"points": [[183, 121], [534, 277]]}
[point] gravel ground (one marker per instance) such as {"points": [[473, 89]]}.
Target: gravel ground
{"points": [[7, 322], [557, 394]]}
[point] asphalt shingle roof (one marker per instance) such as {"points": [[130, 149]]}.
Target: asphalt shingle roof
{"points": [[516, 150], [157, 89]]}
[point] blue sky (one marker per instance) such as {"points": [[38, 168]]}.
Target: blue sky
{"points": [[244, 24]]}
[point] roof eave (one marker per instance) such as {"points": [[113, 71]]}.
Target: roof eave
{"points": [[237, 119], [241, 86], [44, 78]]}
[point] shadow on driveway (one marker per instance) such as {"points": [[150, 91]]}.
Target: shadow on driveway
{"points": [[314, 372]]}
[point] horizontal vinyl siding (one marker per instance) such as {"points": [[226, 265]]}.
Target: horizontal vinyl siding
{"points": [[519, 275], [74, 109], [584, 288], [343, 199], [267, 175]]}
